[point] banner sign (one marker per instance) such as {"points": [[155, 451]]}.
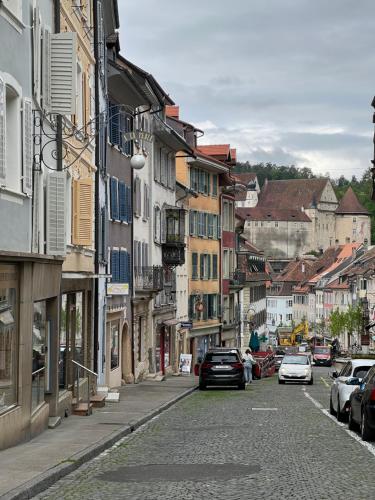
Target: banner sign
{"points": [[118, 289], [185, 363], [137, 135]]}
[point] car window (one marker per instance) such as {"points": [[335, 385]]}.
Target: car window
{"points": [[369, 375], [361, 371], [225, 357], [345, 372]]}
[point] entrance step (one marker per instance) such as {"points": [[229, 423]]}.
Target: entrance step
{"points": [[83, 409], [53, 422], [113, 397], [98, 400]]}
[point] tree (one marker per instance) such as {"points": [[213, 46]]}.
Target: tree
{"points": [[353, 320], [337, 323]]}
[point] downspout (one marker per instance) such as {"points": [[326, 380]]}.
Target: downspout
{"points": [[97, 184], [59, 143]]}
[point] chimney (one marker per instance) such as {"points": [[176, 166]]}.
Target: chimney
{"points": [[173, 111]]}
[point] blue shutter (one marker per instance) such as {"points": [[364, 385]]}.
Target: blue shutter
{"points": [[129, 204], [114, 199], [114, 119], [129, 268], [122, 200], [115, 266], [123, 266]]}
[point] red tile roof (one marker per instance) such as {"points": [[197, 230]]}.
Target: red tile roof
{"points": [[172, 111], [246, 178], [233, 153], [350, 204], [336, 285], [296, 271], [292, 193], [215, 149], [273, 214]]}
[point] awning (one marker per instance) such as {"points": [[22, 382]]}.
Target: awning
{"points": [[171, 322]]}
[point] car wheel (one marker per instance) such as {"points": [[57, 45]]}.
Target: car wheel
{"points": [[331, 408], [339, 414], [351, 424], [242, 387], [202, 386], [366, 433], [281, 381], [311, 381]]}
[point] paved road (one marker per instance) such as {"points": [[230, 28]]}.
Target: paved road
{"points": [[268, 442]]}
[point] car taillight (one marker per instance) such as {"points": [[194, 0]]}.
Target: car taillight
{"points": [[205, 366], [237, 365], [372, 395]]}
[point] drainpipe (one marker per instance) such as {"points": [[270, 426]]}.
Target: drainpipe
{"points": [[97, 188], [59, 144]]}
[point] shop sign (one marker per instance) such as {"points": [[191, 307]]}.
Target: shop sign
{"points": [[186, 324], [185, 363], [137, 135], [118, 289]]}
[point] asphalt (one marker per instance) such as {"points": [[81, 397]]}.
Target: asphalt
{"points": [[28, 469]]}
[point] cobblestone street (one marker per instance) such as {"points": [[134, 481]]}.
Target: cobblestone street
{"points": [[268, 442]]}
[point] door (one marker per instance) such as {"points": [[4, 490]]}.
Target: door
{"points": [[126, 355]]}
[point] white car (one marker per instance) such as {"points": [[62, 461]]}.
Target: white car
{"points": [[344, 384], [296, 368]]}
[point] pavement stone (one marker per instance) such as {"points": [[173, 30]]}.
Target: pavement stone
{"points": [[294, 452], [31, 467]]}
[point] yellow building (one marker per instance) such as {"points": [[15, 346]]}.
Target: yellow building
{"points": [[201, 174], [79, 165]]}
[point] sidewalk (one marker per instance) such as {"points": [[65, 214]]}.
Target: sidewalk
{"points": [[29, 468]]}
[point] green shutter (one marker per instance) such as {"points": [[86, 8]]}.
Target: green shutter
{"points": [[202, 266], [194, 265], [214, 266], [208, 266], [205, 309]]}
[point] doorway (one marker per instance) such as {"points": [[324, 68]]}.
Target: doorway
{"points": [[126, 355]]}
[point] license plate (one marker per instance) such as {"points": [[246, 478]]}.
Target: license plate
{"points": [[222, 367]]}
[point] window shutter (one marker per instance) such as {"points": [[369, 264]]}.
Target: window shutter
{"points": [[122, 201], [56, 213], [82, 212], [63, 72], [214, 266], [191, 222], [208, 184], [205, 307], [103, 234], [27, 147], [115, 266], [46, 74], [208, 266], [201, 266], [101, 40], [2, 132], [219, 227], [37, 35], [129, 204], [123, 266], [191, 306], [129, 268], [114, 199]]}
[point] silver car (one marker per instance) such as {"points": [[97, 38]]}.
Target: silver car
{"points": [[296, 368]]}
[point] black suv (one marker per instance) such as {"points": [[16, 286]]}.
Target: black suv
{"points": [[222, 367], [362, 405]]}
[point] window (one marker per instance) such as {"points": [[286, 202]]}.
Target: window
{"points": [[193, 222], [194, 266], [157, 163], [210, 232], [8, 336], [146, 201], [226, 264], [114, 346], [164, 167], [289, 317], [194, 179], [205, 266], [214, 185], [157, 224], [137, 197], [78, 120], [214, 267], [276, 224], [39, 354]]}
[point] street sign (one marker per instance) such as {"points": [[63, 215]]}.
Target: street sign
{"points": [[186, 324]]}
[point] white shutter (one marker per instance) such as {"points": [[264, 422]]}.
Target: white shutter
{"points": [[46, 74], [37, 34], [56, 210], [63, 73], [27, 147], [2, 131]]}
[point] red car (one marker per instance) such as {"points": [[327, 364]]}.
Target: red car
{"points": [[322, 356]]}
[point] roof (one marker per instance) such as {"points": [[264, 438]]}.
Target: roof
{"points": [[172, 111], [215, 149], [334, 258], [292, 193], [246, 177], [272, 214], [233, 153], [296, 271], [245, 245], [350, 204], [336, 285]]}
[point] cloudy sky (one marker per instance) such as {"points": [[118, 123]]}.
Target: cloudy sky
{"points": [[287, 81]]}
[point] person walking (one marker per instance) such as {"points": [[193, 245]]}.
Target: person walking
{"points": [[249, 361]]}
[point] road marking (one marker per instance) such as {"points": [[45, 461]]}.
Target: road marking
{"points": [[370, 447], [264, 409], [325, 382]]}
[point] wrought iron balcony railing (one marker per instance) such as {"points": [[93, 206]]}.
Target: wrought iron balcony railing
{"points": [[237, 279], [148, 278]]}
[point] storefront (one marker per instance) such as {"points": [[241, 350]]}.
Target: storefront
{"points": [[202, 339], [29, 339], [166, 353]]}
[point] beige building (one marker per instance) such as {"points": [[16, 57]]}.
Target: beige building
{"points": [[353, 221]]}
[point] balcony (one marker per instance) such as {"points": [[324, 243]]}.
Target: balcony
{"points": [[237, 279], [173, 248], [148, 279]]}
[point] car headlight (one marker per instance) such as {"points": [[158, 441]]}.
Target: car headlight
{"points": [[307, 370], [282, 371]]}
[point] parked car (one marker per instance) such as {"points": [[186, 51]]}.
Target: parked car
{"points": [[362, 406], [279, 356], [343, 386], [322, 356], [222, 367], [296, 368]]}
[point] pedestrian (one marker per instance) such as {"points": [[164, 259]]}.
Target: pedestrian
{"points": [[249, 361]]}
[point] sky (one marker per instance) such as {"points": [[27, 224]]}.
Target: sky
{"points": [[283, 81]]}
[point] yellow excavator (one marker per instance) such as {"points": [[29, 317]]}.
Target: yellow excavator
{"points": [[288, 337]]}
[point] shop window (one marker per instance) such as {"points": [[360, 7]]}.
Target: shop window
{"points": [[8, 336], [114, 346], [40, 351]]}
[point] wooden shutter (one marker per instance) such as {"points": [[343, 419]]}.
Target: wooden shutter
{"points": [[2, 132], [46, 74], [205, 307], [122, 201], [82, 212], [123, 266], [37, 35], [27, 146], [114, 199], [219, 227], [214, 266], [191, 222], [115, 266], [103, 234], [63, 72], [56, 213], [129, 204], [208, 266], [201, 257]]}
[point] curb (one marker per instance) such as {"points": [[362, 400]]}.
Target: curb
{"points": [[43, 481]]}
